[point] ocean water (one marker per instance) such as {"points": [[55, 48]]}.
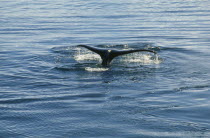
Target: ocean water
{"points": [[51, 88]]}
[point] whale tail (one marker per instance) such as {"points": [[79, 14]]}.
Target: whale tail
{"points": [[107, 55]]}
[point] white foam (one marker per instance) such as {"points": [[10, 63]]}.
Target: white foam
{"points": [[143, 58], [157, 60], [81, 57], [96, 69]]}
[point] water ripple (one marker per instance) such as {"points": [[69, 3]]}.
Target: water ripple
{"points": [[50, 88]]}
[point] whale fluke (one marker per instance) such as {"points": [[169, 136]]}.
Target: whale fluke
{"points": [[107, 55]]}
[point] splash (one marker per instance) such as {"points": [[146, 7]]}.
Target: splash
{"points": [[82, 55], [141, 58], [157, 60]]}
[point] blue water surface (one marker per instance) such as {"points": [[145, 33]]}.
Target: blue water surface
{"points": [[51, 88]]}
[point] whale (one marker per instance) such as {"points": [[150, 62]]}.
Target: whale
{"points": [[107, 55]]}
